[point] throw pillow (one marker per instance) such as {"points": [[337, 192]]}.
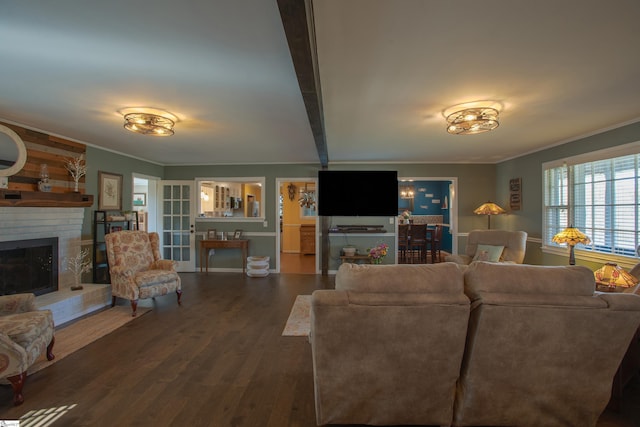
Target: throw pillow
{"points": [[488, 253]]}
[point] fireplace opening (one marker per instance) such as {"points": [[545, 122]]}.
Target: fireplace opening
{"points": [[29, 266]]}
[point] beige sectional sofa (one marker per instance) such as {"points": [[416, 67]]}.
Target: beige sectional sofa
{"points": [[489, 344]]}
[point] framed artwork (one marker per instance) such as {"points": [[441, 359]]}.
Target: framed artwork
{"points": [[212, 234], [515, 194], [237, 234], [109, 191], [139, 199]]}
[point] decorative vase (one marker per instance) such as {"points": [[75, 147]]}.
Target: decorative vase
{"points": [[377, 260], [75, 187], [77, 282], [44, 185], [349, 251]]}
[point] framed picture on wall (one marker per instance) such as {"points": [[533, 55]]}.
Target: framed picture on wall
{"points": [[139, 199], [212, 234], [109, 191], [237, 234], [515, 194]]}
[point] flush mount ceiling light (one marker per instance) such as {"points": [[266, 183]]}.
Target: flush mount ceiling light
{"points": [[470, 121], [149, 124]]}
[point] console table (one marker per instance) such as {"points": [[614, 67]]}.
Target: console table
{"points": [[207, 244]]}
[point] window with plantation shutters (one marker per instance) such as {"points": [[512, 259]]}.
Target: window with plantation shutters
{"points": [[598, 194]]}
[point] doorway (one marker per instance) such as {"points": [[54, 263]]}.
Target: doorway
{"points": [[297, 239], [145, 201], [430, 201]]}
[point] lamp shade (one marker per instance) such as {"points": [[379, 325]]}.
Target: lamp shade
{"points": [[613, 276], [572, 236], [488, 209]]}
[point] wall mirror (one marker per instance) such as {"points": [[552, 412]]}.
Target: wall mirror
{"points": [[237, 199], [13, 153]]}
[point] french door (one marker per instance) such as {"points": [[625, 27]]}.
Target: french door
{"points": [[177, 213]]}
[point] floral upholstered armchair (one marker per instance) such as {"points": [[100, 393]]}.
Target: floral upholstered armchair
{"points": [[136, 268], [25, 333]]}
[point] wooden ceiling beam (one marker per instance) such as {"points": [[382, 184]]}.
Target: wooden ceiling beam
{"points": [[297, 20]]}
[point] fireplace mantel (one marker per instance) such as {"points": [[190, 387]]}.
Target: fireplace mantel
{"points": [[41, 199]]}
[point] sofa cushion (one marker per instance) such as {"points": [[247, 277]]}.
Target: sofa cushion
{"points": [[435, 278], [528, 279], [533, 355], [388, 358], [488, 253]]}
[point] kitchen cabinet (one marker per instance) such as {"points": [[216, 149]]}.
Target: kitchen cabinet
{"points": [[308, 239]]}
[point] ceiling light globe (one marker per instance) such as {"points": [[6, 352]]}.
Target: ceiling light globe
{"points": [[472, 121], [149, 124]]}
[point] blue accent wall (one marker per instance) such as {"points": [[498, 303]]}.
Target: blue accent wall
{"points": [[429, 197]]}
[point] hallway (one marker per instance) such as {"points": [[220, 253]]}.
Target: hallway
{"points": [[297, 263]]}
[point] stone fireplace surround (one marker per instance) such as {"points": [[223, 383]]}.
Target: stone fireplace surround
{"points": [[21, 223]]}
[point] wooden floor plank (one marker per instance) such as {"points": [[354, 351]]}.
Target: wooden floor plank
{"points": [[219, 360]]}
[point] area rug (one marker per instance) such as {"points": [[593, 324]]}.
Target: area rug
{"points": [[85, 331], [298, 324]]}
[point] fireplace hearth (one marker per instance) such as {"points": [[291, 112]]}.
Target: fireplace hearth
{"points": [[29, 266], [34, 223]]}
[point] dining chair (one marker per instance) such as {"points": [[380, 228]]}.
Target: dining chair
{"points": [[436, 242], [418, 242], [403, 241]]}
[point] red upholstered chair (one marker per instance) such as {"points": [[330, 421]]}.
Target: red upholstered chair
{"points": [[136, 268]]}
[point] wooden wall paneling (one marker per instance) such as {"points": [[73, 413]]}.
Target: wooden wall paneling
{"points": [[49, 149]]}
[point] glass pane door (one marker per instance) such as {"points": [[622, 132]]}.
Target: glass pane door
{"points": [[178, 227]]}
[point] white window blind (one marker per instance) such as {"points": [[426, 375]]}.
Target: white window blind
{"points": [[599, 197]]}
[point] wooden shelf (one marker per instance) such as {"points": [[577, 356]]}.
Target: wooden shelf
{"points": [[103, 225], [41, 199], [355, 258]]}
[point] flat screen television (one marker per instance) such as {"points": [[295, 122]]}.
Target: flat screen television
{"points": [[357, 193]]}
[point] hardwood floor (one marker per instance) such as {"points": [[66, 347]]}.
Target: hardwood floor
{"points": [[297, 263], [219, 360]]}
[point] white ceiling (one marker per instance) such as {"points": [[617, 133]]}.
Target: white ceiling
{"points": [[388, 69]]}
